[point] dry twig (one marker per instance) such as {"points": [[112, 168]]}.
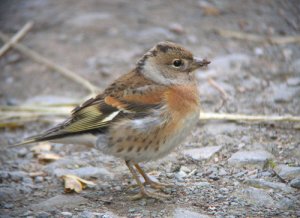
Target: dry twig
{"points": [[19, 35], [28, 112], [257, 38], [213, 83], [40, 59], [253, 118]]}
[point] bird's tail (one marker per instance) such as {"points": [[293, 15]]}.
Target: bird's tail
{"points": [[26, 142]]}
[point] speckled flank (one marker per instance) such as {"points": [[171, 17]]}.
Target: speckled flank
{"points": [[150, 137]]}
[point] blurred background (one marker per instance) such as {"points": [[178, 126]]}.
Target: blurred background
{"points": [[254, 47]]}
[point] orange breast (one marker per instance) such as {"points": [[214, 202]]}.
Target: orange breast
{"points": [[182, 99]]}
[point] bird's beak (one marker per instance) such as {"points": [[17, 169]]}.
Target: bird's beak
{"points": [[197, 63]]}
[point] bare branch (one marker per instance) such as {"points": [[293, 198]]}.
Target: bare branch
{"points": [[19, 35], [50, 64]]}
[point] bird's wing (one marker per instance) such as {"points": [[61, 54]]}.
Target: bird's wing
{"points": [[97, 114]]}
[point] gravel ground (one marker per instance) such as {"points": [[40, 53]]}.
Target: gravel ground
{"points": [[223, 169]]}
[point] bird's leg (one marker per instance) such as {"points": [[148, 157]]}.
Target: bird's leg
{"points": [[143, 192], [148, 181]]}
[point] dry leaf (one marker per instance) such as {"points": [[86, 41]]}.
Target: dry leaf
{"points": [[75, 183], [41, 147], [48, 157]]}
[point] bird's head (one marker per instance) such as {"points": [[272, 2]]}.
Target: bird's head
{"points": [[169, 63]]}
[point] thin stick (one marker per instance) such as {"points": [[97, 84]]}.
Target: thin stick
{"points": [[29, 112], [35, 108], [19, 35], [242, 117], [213, 83], [257, 38], [40, 59]]}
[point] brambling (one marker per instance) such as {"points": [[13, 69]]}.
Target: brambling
{"points": [[142, 116]]}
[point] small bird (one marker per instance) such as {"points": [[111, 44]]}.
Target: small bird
{"points": [[141, 116]]}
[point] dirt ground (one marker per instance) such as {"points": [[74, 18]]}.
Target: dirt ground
{"points": [[224, 169]]}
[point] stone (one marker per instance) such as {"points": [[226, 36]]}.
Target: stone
{"points": [[4, 174], [287, 172], [202, 185], [89, 214], [60, 201], [66, 214], [258, 51], [50, 99], [8, 206], [260, 183], [85, 172], [22, 152], [154, 33], [256, 158], [221, 128], [295, 66], [180, 175], [17, 175], [176, 28], [38, 179], [43, 214], [284, 93], [295, 183], [256, 196], [89, 19], [185, 213], [204, 153], [293, 81], [286, 204]]}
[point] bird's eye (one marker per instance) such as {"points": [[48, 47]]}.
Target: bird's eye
{"points": [[177, 63]]}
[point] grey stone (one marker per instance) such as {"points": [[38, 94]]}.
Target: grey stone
{"points": [[89, 19], [13, 58], [257, 158], [8, 206], [153, 33], [38, 179], [295, 183], [27, 181], [17, 175], [4, 174], [22, 152], [256, 196], [221, 128], [185, 213], [202, 185], [50, 99], [180, 175], [66, 214], [60, 201], [260, 183], [204, 153], [286, 204], [287, 172], [43, 214], [284, 93], [294, 81], [88, 214], [295, 66], [7, 193], [85, 172]]}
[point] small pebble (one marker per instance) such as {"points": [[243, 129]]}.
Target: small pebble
{"points": [[39, 179], [66, 214], [295, 183], [8, 206]]}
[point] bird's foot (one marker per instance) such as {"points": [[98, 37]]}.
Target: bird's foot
{"points": [[147, 194], [157, 185]]}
